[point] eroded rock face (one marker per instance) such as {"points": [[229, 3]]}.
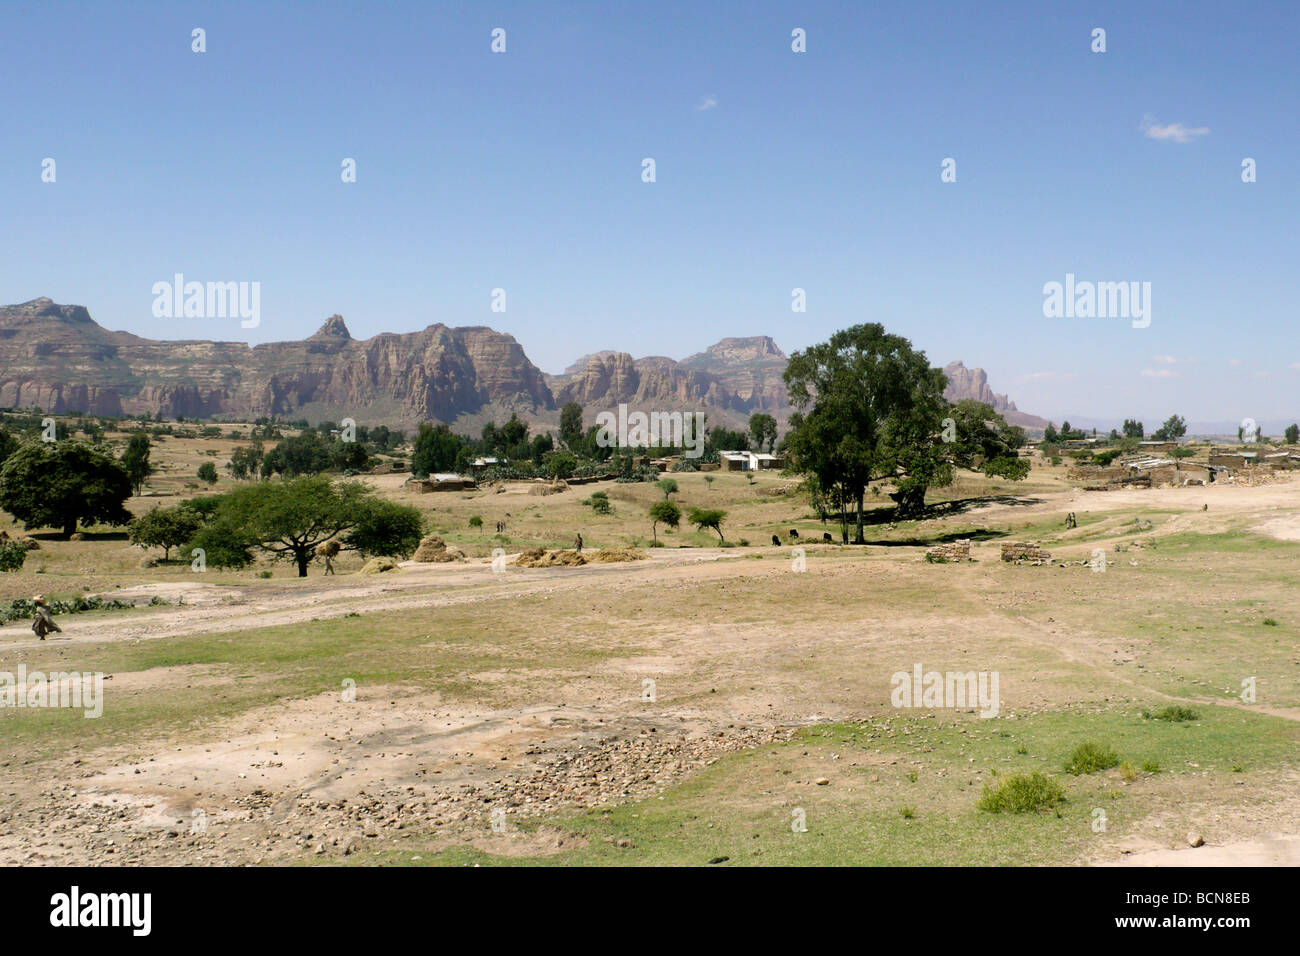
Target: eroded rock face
{"points": [[973, 384], [57, 358]]}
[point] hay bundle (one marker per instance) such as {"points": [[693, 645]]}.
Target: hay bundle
{"points": [[433, 550], [331, 549], [550, 488], [541, 558], [379, 566], [607, 555]]}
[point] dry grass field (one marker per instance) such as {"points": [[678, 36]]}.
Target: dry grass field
{"points": [[457, 714]]}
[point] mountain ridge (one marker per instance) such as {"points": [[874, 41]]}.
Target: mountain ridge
{"points": [[59, 359]]}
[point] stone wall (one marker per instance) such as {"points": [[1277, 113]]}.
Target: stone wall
{"points": [[952, 551], [1019, 551]]}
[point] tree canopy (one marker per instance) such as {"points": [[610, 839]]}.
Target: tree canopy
{"points": [[57, 484]]}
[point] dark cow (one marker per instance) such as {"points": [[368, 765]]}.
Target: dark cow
{"points": [[826, 536], [794, 533], [776, 541]]}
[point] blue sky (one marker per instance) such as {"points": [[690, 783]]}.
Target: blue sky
{"points": [[775, 170]]}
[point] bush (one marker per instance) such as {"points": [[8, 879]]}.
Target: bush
{"points": [[1022, 793], [1090, 757], [1175, 713], [12, 556], [476, 521]]}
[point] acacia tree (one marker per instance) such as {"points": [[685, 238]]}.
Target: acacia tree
{"points": [[704, 518], [56, 484], [292, 518], [664, 512]]}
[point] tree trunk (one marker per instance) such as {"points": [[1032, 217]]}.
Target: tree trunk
{"points": [[69, 529], [303, 557], [858, 537]]}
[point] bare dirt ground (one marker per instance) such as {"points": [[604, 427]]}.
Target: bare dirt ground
{"points": [[322, 777]]}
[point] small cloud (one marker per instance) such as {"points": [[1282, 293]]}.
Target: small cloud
{"points": [[1234, 362], [709, 102], [1160, 373], [1296, 366], [1263, 374], [1175, 132], [1174, 360]]}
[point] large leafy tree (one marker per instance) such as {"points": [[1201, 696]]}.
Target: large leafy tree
{"points": [[290, 519], [973, 436], [56, 484], [571, 427], [667, 513], [762, 427], [870, 408], [705, 519], [436, 450], [862, 397]]}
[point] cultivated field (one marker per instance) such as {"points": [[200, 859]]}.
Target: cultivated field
{"points": [[518, 698]]}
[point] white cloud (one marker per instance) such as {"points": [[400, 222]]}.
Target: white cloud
{"points": [[709, 102], [1174, 360], [1296, 366], [1176, 132], [1160, 373], [1234, 362]]}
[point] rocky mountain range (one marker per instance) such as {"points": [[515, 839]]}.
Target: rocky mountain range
{"points": [[58, 359]]}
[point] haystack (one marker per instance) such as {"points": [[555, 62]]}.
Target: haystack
{"points": [[433, 550], [379, 566], [549, 488]]}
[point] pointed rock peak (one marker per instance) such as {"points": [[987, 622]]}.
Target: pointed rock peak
{"points": [[334, 327]]}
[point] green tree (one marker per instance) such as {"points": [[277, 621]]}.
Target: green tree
{"points": [[305, 454], [560, 464], [862, 397], [668, 486], [1173, 429], [136, 461], [165, 528], [1132, 428], [1050, 435], [667, 514], [292, 518], [208, 472], [56, 484], [8, 445], [762, 428], [571, 427], [245, 461], [1293, 434], [707, 518], [436, 450]]}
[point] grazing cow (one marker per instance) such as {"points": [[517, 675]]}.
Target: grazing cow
{"points": [[794, 533], [826, 536], [1070, 521], [776, 541]]}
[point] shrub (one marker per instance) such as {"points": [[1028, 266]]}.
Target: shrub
{"points": [[12, 556], [1175, 713], [476, 521], [1022, 793], [1150, 766], [1090, 757], [1270, 622]]}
